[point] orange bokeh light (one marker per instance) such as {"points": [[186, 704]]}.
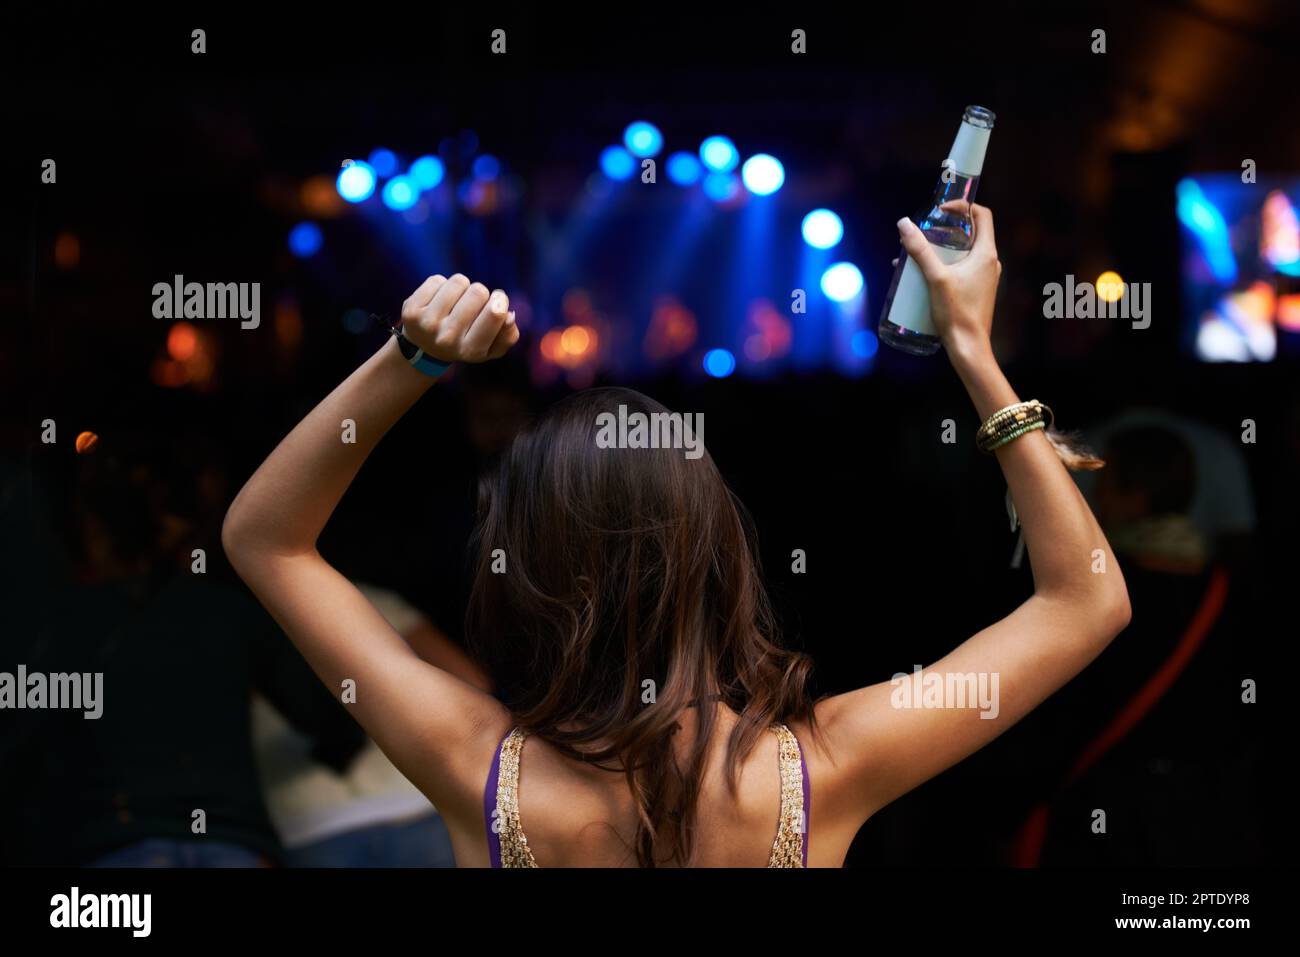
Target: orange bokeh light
{"points": [[550, 345], [576, 340], [672, 329], [319, 197], [1109, 286], [182, 340], [1288, 312]]}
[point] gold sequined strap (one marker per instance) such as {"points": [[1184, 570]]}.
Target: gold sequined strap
{"points": [[787, 849], [514, 846]]}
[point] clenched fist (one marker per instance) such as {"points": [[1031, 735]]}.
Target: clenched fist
{"points": [[455, 320]]}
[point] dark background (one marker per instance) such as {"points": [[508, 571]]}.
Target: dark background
{"points": [[170, 163]]}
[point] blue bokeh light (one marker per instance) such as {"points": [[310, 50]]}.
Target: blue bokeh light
{"points": [[356, 182], [684, 169], [643, 139], [427, 172], [842, 282], [305, 240], [486, 167], [864, 343], [719, 154], [762, 174], [719, 363], [822, 229], [617, 163], [721, 187], [383, 162], [400, 193]]}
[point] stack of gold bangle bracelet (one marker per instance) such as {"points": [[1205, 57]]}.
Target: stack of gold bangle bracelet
{"points": [[1006, 425]]}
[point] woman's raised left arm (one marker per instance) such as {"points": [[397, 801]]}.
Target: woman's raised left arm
{"points": [[420, 715]]}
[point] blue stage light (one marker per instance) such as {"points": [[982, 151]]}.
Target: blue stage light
{"points": [[486, 167], [842, 282], [427, 172], [617, 163], [305, 240], [864, 343], [719, 154], [721, 187], [822, 229], [384, 162], [684, 169], [356, 182], [400, 193], [1205, 221], [762, 174], [643, 139], [719, 363]]}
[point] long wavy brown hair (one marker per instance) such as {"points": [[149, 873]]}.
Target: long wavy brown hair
{"points": [[625, 566]]}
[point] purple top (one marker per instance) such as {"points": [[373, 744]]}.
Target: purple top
{"points": [[807, 803], [490, 806]]}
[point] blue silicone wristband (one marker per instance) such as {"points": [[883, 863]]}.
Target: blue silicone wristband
{"points": [[416, 357], [429, 365]]}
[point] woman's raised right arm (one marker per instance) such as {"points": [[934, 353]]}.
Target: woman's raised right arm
{"points": [[883, 746]]}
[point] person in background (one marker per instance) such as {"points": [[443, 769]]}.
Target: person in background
{"points": [[369, 814], [1149, 733], [1222, 505], [1144, 501], [165, 776]]}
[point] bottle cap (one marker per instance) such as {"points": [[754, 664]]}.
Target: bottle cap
{"points": [[972, 140]]}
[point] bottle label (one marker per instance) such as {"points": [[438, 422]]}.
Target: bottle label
{"points": [[911, 306]]}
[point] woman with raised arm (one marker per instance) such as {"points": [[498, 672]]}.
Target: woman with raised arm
{"points": [[647, 713]]}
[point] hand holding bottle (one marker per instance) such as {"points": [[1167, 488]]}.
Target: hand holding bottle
{"points": [[905, 321], [961, 293]]}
